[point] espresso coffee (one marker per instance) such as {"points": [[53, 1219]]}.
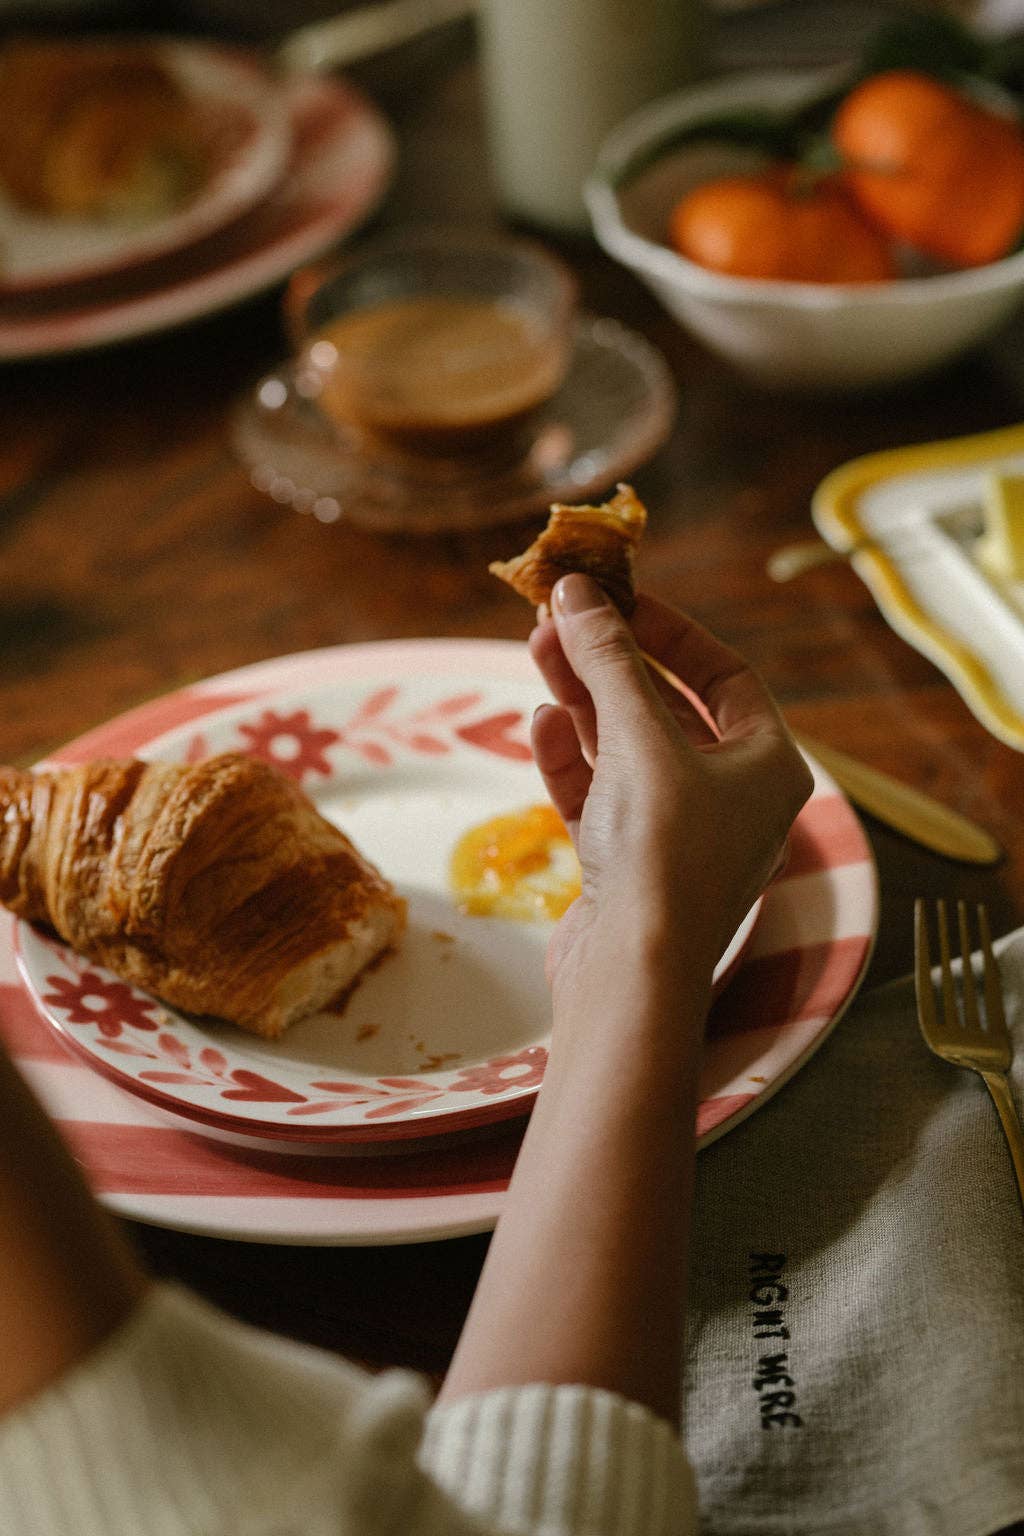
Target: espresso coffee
{"points": [[436, 374]]}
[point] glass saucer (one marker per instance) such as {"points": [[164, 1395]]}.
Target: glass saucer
{"points": [[614, 409]]}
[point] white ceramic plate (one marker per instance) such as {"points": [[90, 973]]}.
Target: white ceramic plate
{"points": [[340, 161], [242, 120], [799, 972]]}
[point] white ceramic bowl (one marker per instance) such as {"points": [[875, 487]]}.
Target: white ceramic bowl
{"points": [[798, 335]]}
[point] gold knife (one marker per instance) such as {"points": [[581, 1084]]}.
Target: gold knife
{"points": [[909, 811], [906, 810]]}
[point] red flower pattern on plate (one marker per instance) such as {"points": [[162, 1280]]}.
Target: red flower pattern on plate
{"points": [[375, 730], [113, 1007], [298, 746], [91, 999], [503, 1072], [496, 733], [211, 1069], [267, 736]]}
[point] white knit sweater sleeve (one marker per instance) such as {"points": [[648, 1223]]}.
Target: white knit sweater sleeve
{"points": [[187, 1423]]}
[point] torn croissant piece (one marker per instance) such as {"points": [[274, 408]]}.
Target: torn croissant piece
{"points": [[217, 885], [599, 541]]}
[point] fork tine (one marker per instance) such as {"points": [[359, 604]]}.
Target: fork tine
{"points": [[971, 1018], [986, 1051], [946, 982], [993, 995], [923, 970]]}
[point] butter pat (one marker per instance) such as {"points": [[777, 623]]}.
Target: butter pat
{"points": [[1000, 549]]}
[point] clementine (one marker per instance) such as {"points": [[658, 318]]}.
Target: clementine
{"points": [[779, 224], [933, 167]]}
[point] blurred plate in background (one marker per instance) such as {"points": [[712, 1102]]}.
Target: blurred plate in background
{"points": [[339, 164], [242, 126]]}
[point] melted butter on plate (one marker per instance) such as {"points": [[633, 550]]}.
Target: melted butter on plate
{"points": [[1000, 549]]}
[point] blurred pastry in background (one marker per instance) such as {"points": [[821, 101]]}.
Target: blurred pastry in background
{"points": [[96, 130]]}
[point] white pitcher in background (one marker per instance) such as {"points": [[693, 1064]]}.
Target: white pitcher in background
{"points": [[559, 74]]}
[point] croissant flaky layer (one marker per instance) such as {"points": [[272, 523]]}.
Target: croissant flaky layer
{"points": [[216, 885]]}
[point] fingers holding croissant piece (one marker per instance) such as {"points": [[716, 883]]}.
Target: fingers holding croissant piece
{"points": [[217, 885]]}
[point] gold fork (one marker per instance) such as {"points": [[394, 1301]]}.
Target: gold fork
{"points": [[963, 1036]]}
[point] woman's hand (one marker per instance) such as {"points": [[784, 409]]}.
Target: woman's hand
{"points": [[678, 826]]}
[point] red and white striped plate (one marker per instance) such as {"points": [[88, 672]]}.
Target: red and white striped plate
{"points": [[799, 972]]}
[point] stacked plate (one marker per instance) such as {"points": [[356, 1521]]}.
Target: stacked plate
{"points": [[397, 1118], [293, 165]]}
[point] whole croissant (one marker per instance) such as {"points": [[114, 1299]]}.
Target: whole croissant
{"points": [[217, 885]]}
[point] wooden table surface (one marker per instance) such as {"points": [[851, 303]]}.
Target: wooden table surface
{"points": [[136, 557]]}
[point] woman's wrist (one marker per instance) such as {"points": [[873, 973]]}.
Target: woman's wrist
{"points": [[651, 1010], [637, 963]]}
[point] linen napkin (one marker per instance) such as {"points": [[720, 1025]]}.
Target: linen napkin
{"points": [[856, 1336]]}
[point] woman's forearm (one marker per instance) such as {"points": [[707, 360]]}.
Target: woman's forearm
{"points": [[585, 1278], [67, 1279]]}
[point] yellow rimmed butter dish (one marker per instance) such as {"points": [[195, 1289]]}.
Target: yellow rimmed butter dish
{"points": [[936, 531]]}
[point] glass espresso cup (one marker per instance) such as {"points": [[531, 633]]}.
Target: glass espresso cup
{"points": [[433, 343]]}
